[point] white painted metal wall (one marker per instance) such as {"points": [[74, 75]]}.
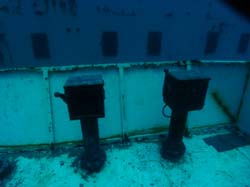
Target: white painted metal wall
{"points": [[30, 114], [244, 120], [24, 107]]}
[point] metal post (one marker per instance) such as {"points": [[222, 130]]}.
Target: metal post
{"points": [[94, 157], [173, 147]]}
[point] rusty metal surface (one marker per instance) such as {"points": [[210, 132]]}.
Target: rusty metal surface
{"points": [[72, 32]]}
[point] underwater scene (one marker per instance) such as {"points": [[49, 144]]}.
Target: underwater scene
{"points": [[112, 93]]}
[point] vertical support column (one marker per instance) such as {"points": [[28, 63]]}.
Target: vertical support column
{"points": [[124, 127], [177, 126], [90, 134], [49, 109], [173, 147], [94, 157]]}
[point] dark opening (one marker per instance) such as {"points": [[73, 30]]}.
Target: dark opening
{"points": [[243, 43], [212, 42], [40, 45], [109, 43], [154, 43]]}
